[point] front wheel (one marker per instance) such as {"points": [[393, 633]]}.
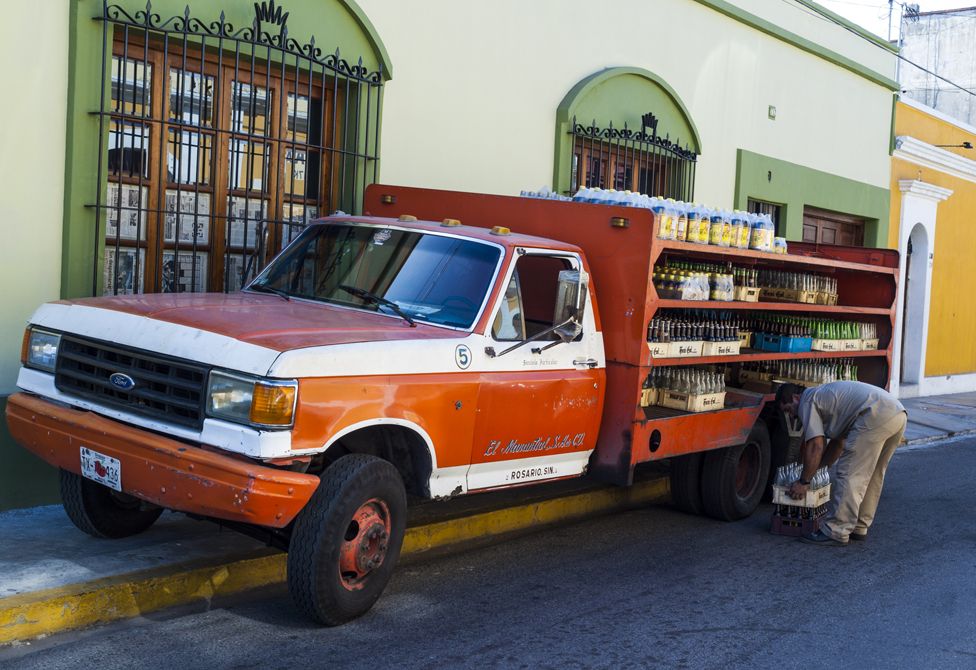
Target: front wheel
{"points": [[347, 539], [734, 478], [102, 512]]}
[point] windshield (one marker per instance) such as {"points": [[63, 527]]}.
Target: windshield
{"points": [[432, 278]]}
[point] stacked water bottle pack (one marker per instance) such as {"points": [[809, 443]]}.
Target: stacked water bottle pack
{"points": [[685, 221], [691, 222], [799, 517]]}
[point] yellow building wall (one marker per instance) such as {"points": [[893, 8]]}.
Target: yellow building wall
{"points": [[951, 346]]}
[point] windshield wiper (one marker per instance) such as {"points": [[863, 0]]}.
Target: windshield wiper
{"points": [[264, 288], [373, 298]]}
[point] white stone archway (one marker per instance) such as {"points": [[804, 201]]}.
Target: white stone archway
{"points": [[919, 205]]}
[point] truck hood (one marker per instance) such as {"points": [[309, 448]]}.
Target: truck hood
{"points": [[267, 320]]}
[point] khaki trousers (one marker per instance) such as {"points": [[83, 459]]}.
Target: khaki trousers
{"points": [[859, 476]]}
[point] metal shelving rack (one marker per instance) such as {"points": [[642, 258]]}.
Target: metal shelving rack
{"points": [[621, 248]]}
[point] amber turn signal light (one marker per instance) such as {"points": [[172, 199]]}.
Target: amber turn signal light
{"points": [[273, 404]]}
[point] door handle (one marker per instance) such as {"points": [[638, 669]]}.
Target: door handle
{"points": [[588, 362]]}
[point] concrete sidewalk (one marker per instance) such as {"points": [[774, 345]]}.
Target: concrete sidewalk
{"points": [[53, 577], [938, 417]]}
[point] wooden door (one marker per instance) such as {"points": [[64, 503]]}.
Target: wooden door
{"points": [[824, 227]]}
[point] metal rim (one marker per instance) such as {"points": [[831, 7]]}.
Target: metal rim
{"points": [[747, 470], [364, 543]]}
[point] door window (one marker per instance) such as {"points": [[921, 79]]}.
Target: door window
{"points": [[530, 302]]}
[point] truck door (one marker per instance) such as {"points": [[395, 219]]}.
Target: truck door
{"points": [[540, 400]]}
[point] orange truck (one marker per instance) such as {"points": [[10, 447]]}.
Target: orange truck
{"points": [[443, 344]]}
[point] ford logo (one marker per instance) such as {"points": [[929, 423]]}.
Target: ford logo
{"points": [[121, 381]]}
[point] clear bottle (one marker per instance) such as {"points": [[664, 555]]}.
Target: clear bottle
{"points": [[681, 220], [715, 227], [662, 219]]}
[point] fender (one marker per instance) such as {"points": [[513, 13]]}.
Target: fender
{"points": [[443, 482]]}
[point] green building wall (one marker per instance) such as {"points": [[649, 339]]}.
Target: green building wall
{"points": [[335, 24], [794, 186]]}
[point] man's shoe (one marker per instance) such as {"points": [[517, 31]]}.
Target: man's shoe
{"points": [[822, 539], [859, 537]]}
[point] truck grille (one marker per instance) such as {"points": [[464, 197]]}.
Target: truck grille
{"points": [[166, 389]]}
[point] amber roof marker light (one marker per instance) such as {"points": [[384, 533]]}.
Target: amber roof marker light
{"points": [[619, 222]]}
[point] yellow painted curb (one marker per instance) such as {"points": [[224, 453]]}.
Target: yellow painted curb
{"points": [[101, 601]]}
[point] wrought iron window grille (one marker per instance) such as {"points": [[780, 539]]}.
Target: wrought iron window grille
{"points": [[636, 160], [219, 144]]}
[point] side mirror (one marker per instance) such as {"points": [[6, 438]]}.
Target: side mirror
{"points": [[570, 304]]}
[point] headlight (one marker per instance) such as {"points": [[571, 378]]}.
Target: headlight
{"points": [[260, 402], [42, 349]]}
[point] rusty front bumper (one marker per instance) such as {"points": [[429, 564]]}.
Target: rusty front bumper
{"points": [[160, 470]]}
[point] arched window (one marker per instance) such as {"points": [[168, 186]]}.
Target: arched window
{"points": [[624, 128]]}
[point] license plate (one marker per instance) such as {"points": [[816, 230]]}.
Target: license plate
{"points": [[101, 468]]}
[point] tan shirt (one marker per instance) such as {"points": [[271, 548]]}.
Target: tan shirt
{"points": [[830, 409]]}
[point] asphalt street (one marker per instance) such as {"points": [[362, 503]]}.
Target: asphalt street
{"points": [[650, 589]]}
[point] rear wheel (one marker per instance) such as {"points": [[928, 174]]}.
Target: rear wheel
{"points": [[734, 478], [103, 512], [686, 474], [347, 539]]}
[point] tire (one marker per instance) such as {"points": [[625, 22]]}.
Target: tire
{"points": [[686, 474], [347, 539], [102, 512], [734, 478]]}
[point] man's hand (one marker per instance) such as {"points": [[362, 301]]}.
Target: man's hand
{"points": [[797, 490]]}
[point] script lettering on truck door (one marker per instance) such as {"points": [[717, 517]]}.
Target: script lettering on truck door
{"points": [[538, 379]]}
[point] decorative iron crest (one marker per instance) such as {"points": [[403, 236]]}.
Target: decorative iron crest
{"points": [[266, 13], [611, 134]]}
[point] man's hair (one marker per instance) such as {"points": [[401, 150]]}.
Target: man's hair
{"points": [[785, 393]]}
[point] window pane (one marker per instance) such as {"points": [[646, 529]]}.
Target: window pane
{"points": [[188, 157], [131, 86], [247, 166], [190, 223], [508, 320], [301, 178], [184, 271], [296, 216], [123, 270], [245, 217], [191, 97], [239, 270], [594, 172], [434, 278], [126, 203], [624, 176], [249, 109], [128, 149], [304, 119]]}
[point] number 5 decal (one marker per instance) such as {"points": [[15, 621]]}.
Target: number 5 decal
{"points": [[462, 356]]}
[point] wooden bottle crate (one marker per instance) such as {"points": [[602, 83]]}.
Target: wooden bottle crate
{"points": [[648, 397], [702, 402], [721, 348], [686, 349], [794, 527], [659, 349], [746, 294], [812, 499]]}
